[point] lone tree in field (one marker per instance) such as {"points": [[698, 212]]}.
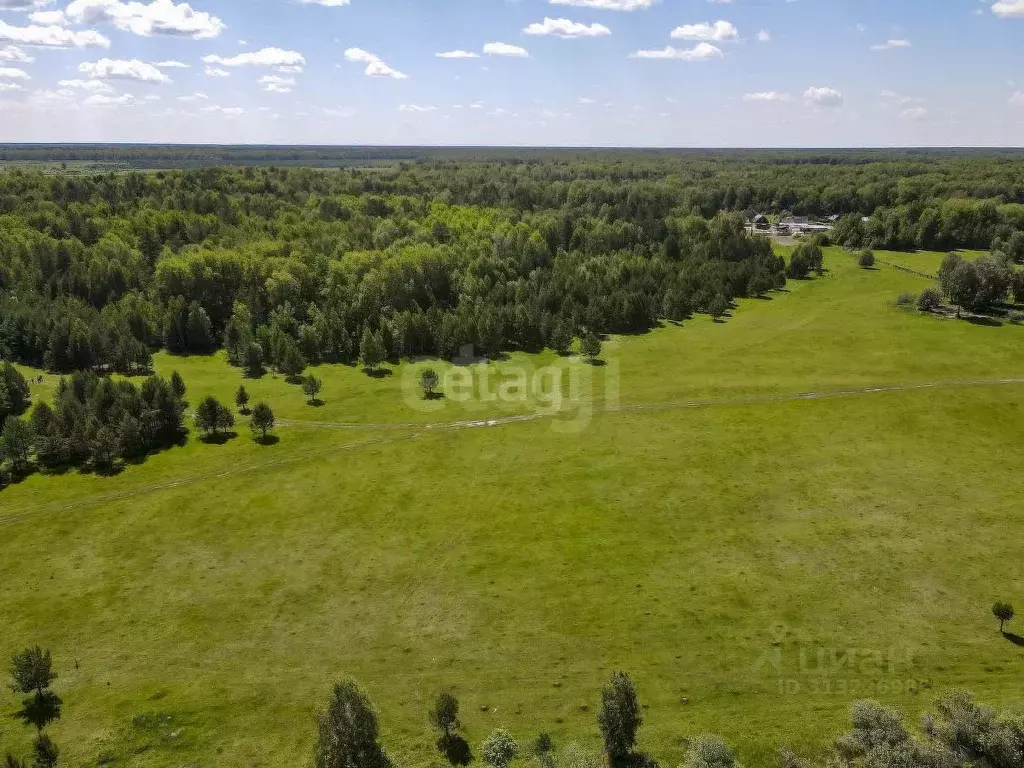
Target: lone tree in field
{"points": [[241, 398], [429, 381], [445, 718], [371, 349], [1003, 612], [590, 346], [499, 749], [866, 260], [212, 416], [311, 386], [261, 421], [32, 671], [347, 732], [619, 718]]}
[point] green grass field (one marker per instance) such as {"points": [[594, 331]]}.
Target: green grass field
{"points": [[769, 558]]}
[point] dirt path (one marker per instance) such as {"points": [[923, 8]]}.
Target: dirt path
{"points": [[669, 405], [421, 429]]}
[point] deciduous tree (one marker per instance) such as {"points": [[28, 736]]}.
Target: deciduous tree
{"points": [[1003, 612], [429, 381], [262, 420], [311, 387], [347, 734], [499, 749], [619, 718], [212, 416]]}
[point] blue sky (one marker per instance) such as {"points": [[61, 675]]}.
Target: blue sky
{"points": [[692, 73]]}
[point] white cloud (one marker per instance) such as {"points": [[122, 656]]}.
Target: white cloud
{"points": [[276, 58], [914, 113], [764, 36], [700, 52], [95, 86], [586, 100], [328, 3], [22, 5], [415, 108], [504, 49], [824, 97], [48, 18], [608, 5], [173, 64], [52, 36], [891, 45], [375, 67], [566, 29], [160, 17], [223, 110], [766, 96], [457, 55], [720, 31], [11, 87], [277, 84], [197, 96], [214, 72], [13, 73], [1009, 9], [120, 69], [14, 53], [1017, 98], [107, 100]]}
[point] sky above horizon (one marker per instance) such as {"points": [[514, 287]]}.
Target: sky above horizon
{"points": [[677, 73]]}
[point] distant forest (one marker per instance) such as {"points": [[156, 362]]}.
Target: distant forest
{"points": [[432, 249]]}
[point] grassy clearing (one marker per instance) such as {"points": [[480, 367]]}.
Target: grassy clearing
{"points": [[211, 594], [926, 262]]}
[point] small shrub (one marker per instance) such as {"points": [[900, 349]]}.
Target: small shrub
{"points": [[1015, 316], [929, 300], [905, 299], [499, 749], [866, 260]]}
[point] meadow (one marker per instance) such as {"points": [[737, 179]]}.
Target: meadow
{"points": [[724, 509]]}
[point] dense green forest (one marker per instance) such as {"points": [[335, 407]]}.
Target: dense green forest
{"points": [[502, 249]]}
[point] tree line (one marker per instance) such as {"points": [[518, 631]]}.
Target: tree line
{"points": [[287, 267], [960, 733], [294, 267]]}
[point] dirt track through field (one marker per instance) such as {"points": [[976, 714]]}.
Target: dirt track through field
{"points": [[417, 430], [669, 405]]}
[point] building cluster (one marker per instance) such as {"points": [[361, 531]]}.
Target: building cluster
{"points": [[792, 225]]}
